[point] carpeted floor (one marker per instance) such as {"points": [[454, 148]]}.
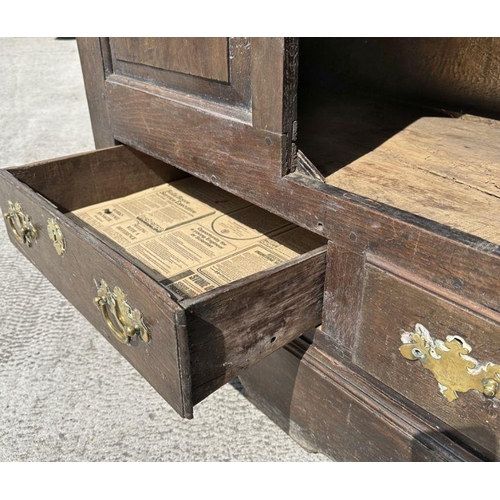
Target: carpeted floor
{"points": [[65, 393]]}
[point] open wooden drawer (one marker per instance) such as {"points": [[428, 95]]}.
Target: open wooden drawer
{"points": [[185, 347]]}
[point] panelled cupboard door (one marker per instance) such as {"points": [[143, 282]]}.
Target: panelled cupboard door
{"points": [[195, 102]]}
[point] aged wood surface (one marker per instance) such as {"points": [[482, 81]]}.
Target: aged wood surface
{"points": [[206, 57], [358, 224], [232, 329], [339, 128], [343, 295], [225, 144], [225, 331], [93, 76], [321, 208], [326, 210], [194, 138], [273, 83], [89, 178], [442, 169], [463, 73], [227, 71], [87, 260], [249, 120], [391, 306], [433, 251], [328, 407]]}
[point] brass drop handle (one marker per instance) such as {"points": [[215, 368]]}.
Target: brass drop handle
{"points": [[20, 224], [124, 322]]}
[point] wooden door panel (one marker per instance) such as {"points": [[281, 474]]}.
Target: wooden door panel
{"points": [[214, 69], [204, 57], [200, 102]]}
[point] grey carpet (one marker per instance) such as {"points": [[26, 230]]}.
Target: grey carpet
{"points": [[65, 393]]}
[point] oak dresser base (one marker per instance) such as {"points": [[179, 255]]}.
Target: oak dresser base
{"points": [[327, 407]]}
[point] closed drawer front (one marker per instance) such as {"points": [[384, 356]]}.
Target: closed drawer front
{"points": [[188, 347], [437, 349]]}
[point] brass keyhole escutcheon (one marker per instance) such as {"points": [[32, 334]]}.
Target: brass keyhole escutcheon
{"points": [[56, 236], [20, 224], [454, 369], [124, 321]]}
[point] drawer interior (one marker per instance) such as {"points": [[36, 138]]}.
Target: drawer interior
{"points": [[193, 237], [206, 338], [188, 235], [412, 123]]}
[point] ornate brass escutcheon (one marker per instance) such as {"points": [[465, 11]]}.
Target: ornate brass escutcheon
{"points": [[55, 234], [20, 224], [124, 321], [450, 363]]}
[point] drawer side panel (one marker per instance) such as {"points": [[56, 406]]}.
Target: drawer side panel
{"points": [[231, 331]]}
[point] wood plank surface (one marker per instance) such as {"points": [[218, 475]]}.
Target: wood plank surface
{"points": [[344, 277], [227, 329], [433, 251], [194, 137], [443, 169], [454, 73], [86, 179], [192, 74]]}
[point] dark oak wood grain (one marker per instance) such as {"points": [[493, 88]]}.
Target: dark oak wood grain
{"points": [[343, 295], [358, 224], [323, 209], [434, 251], [429, 164], [391, 306], [194, 138], [86, 262], [197, 344], [86, 179], [207, 57], [461, 73], [340, 395], [252, 318], [274, 80], [248, 119], [91, 59], [217, 72], [328, 407]]}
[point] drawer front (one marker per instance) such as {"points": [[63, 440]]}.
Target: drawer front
{"points": [[430, 345], [191, 346], [163, 361]]}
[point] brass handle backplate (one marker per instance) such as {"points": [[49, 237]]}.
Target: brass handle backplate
{"points": [[450, 363], [124, 322], [20, 224]]}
